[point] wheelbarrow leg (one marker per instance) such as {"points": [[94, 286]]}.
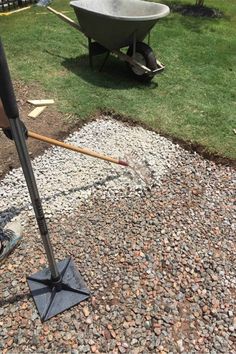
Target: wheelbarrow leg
{"points": [[149, 37], [134, 44], [96, 48], [90, 53], [105, 60]]}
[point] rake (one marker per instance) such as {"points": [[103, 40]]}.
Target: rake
{"points": [[140, 170], [84, 151]]}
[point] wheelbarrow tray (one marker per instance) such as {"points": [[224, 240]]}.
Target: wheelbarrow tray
{"points": [[114, 23]]}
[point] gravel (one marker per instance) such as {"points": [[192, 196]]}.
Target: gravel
{"points": [[159, 259], [61, 173]]}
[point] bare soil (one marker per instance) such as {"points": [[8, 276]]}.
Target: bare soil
{"points": [[50, 123]]}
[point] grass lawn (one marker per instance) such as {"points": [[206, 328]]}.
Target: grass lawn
{"points": [[195, 96]]}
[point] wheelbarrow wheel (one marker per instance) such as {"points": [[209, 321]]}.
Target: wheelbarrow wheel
{"points": [[144, 55]]}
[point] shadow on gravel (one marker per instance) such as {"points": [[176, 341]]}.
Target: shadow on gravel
{"points": [[80, 189], [8, 214]]}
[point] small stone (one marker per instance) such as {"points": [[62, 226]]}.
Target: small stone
{"points": [[180, 345], [195, 287], [86, 311], [125, 345], [134, 341], [157, 331], [147, 324], [10, 342], [215, 303], [67, 336], [108, 308], [89, 320], [35, 340], [94, 348]]}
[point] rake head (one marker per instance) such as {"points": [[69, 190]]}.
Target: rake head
{"points": [[140, 168]]}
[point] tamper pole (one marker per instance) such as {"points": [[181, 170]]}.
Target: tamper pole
{"points": [[10, 106]]}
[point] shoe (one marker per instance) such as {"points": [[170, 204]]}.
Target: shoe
{"points": [[10, 238]]}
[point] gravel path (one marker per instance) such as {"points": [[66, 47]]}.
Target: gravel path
{"points": [[159, 260]]}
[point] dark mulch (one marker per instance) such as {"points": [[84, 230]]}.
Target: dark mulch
{"points": [[196, 11]]}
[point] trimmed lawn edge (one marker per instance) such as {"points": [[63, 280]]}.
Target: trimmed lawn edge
{"points": [[185, 144]]}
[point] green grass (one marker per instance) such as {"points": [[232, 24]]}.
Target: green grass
{"points": [[195, 96]]}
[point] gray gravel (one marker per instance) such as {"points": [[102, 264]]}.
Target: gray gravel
{"points": [[61, 173], [159, 260]]}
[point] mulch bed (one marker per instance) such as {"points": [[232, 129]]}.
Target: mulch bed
{"points": [[196, 11]]}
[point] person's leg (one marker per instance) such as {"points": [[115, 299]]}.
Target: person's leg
{"points": [[10, 237]]}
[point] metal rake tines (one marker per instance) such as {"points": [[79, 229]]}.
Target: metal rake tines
{"points": [[140, 168]]}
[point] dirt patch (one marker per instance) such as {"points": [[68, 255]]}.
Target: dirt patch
{"points": [[196, 11], [53, 124], [50, 123]]}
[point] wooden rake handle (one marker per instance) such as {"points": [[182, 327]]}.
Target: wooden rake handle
{"points": [[76, 149]]}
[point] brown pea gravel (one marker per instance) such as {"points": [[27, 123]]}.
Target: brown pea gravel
{"points": [[160, 263]]}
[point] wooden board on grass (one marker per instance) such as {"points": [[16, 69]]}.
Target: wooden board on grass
{"points": [[41, 102], [14, 11], [36, 112]]}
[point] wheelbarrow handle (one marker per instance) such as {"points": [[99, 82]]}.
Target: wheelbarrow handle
{"points": [[7, 94], [65, 18]]}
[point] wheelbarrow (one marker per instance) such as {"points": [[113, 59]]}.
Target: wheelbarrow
{"points": [[111, 25]]}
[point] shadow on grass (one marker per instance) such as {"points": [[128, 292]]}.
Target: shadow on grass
{"points": [[115, 74], [191, 23], [194, 24]]}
